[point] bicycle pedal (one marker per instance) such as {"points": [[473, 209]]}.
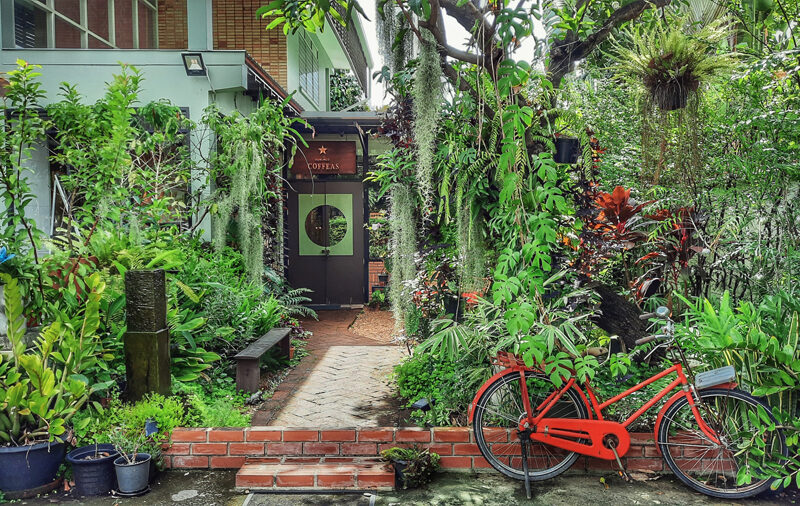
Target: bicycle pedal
{"points": [[623, 474]]}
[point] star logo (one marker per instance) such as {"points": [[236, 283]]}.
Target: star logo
{"points": [[323, 150]]}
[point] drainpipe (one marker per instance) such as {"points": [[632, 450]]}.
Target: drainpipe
{"points": [[199, 24]]}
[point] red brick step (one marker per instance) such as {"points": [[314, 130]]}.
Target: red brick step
{"points": [[314, 473]]}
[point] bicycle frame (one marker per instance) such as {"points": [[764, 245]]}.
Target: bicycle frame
{"points": [[595, 431]]}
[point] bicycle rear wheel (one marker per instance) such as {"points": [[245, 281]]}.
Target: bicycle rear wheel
{"points": [[707, 466], [495, 420]]}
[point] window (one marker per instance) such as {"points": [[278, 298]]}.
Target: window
{"points": [[309, 68], [30, 26], [92, 24]]}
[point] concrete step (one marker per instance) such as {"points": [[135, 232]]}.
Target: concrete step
{"points": [[314, 473]]}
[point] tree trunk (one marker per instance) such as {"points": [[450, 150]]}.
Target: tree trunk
{"points": [[618, 316]]}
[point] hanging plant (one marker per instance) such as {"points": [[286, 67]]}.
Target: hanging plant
{"points": [[245, 165], [671, 65], [403, 268], [427, 94], [671, 68]]}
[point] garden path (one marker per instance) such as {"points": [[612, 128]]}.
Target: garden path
{"points": [[343, 382]]}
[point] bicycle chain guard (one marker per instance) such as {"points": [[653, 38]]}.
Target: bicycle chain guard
{"points": [[586, 437]]}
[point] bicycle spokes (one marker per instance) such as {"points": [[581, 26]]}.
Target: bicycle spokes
{"points": [[716, 463], [497, 419]]}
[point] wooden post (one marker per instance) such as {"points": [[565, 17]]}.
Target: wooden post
{"points": [[146, 341]]}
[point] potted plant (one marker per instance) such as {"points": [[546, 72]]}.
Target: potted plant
{"points": [[41, 388], [568, 149], [132, 466], [669, 65], [413, 466], [93, 468]]}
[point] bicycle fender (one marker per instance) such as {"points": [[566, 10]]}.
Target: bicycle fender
{"points": [[484, 387], [672, 400]]}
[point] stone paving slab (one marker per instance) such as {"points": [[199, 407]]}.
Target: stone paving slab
{"points": [[341, 387], [342, 383]]}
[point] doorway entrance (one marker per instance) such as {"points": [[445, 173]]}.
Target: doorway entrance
{"points": [[326, 243]]}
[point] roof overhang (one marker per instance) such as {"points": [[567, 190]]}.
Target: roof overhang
{"points": [[341, 123], [260, 83]]}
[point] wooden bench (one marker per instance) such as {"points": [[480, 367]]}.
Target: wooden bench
{"points": [[248, 371]]}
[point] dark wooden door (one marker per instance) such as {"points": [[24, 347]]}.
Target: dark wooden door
{"points": [[326, 241]]}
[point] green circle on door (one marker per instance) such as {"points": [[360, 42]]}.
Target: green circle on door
{"points": [[325, 224]]}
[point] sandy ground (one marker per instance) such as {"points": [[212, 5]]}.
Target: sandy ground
{"points": [[374, 324]]}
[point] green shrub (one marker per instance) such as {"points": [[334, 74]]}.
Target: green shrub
{"points": [[438, 380], [420, 464], [216, 404]]}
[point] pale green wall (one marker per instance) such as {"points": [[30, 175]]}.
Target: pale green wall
{"points": [[164, 79]]}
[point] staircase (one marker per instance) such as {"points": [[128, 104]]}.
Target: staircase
{"points": [[314, 473]]}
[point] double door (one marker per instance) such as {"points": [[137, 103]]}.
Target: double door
{"points": [[326, 242]]}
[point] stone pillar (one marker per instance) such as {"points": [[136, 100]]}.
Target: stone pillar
{"points": [[147, 339]]}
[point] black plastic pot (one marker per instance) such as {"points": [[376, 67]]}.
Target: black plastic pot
{"points": [[399, 472], [454, 306], [26, 471], [133, 478], [568, 150], [93, 476], [383, 278]]}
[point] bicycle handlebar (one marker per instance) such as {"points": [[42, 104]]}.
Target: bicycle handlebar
{"points": [[646, 340], [661, 312]]}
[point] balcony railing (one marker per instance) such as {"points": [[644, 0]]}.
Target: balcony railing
{"points": [[348, 38]]}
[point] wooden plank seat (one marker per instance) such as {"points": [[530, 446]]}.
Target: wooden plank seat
{"points": [[248, 371]]}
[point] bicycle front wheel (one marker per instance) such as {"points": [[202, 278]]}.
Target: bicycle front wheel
{"points": [[712, 467], [496, 419]]}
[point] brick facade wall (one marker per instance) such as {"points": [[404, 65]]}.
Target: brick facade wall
{"points": [[227, 448], [173, 32], [235, 26], [376, 268]]}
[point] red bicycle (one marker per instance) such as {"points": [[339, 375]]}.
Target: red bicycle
{"points": [[699, 431]]}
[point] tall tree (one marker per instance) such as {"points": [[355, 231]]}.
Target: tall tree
{"points": [[498, 30]]}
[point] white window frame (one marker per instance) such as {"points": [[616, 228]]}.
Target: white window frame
{"points": [[52, 14]]}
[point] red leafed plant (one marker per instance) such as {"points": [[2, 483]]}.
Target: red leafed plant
{"points": [[675, 247], [618, 215]]}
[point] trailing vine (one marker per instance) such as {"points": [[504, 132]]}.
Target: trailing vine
{"points": [[427, 94], [246, 166], [403, 250]]}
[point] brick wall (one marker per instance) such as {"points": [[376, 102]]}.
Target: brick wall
{"points": [[173, 32], [228, 448], [235, 26], [376, 268]]}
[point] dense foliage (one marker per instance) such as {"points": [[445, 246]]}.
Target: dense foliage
{"points": [[683, 194], [131, 196]]}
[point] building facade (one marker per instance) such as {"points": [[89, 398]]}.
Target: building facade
{"points": [[194, 53]]}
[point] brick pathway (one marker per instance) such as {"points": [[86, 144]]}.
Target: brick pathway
{"points": [[342, 383]]}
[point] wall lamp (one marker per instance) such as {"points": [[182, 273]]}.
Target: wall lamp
{"points": [[194, 65]]}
